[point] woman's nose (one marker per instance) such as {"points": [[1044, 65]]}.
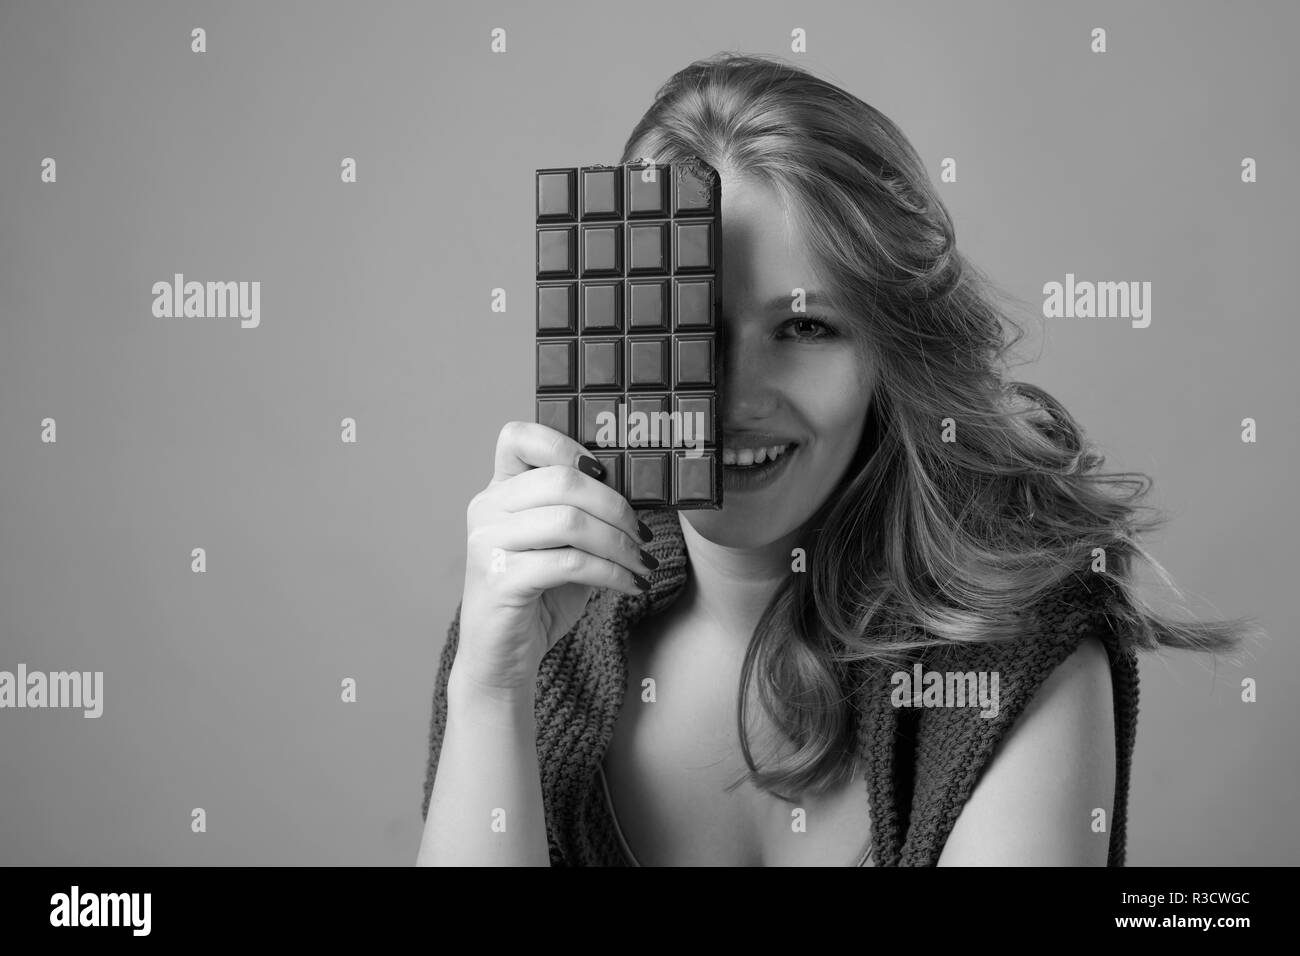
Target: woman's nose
{"points": [[748, 386]]}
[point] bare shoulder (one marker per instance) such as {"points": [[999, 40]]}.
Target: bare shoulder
{"points": [[1080, 685], [1047, 795]]}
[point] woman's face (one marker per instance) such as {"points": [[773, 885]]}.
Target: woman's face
{"points": [[792, 379]]}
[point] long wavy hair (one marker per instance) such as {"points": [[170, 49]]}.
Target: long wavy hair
{"points": [[954, 538]]}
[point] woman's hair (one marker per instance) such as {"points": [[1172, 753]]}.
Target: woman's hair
{"points": [[953, 537]]}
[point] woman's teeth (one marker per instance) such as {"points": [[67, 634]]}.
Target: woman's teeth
{"points": [[746, 457]]}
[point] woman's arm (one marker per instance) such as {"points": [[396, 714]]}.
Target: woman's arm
{"points": [[540, 539], [486, 808], [1035, 804]]}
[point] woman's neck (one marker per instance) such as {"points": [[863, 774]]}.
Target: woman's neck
{"points": [[732, 586]]}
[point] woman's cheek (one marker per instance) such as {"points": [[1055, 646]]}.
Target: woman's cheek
{"points": [[835, 408]]}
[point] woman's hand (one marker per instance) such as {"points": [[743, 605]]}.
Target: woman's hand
{"points": [[543, 535]]}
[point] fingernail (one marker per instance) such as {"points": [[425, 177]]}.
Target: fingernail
{"points": [[646, 533], [649, 560], [589, 466], [641, 582]]}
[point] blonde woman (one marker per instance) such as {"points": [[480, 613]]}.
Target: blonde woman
{"points": [[950, 676]]}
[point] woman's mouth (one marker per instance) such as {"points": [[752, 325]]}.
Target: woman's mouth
{"points": [[754, 467]]}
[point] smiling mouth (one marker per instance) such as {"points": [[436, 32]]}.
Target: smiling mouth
{"points": [[755, 476], [755, 458]]}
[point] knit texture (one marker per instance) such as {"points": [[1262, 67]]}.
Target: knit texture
{"points": [[921, 763]]}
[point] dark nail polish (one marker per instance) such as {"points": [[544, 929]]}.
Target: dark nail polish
{"points": [[589, 466], [641, 582], [646, 533], [649, 560]]}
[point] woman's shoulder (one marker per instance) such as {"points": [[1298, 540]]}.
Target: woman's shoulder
{"points": [[1054, 707], [1045, 791], [1071, 656]]}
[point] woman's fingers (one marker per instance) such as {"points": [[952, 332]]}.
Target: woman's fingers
{"points": [[563, 526], [547, 520], [526, 574], [560, 485], [525, 445]]}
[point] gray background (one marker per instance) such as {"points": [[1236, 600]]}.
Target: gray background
{"points": [[328, 560]]}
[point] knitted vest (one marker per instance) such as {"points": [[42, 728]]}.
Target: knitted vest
{"points": [[922, 763]]}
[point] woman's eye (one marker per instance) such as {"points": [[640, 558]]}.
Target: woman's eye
{"points": [[808, 330]]}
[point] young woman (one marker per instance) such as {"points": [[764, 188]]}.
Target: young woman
{"points": [[908, 635]]}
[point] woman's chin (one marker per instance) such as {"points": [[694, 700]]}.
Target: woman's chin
{"points": [[736, 526]]}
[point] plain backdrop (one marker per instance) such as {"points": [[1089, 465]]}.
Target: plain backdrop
{"points": [[328, 560]]}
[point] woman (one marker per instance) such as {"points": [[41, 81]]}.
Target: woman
{"points": [[908, 636]]}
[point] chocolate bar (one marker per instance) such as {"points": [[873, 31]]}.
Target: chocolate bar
{"points": [[629, 327]]}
